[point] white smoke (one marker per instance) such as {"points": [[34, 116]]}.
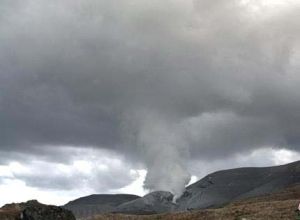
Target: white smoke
{"points": [[162, 147]]}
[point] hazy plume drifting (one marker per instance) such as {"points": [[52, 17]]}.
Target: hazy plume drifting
{"points": [[157, 81]]}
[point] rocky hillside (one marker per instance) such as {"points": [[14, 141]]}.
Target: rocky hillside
{"points": [[33, 210], [96, 204]]}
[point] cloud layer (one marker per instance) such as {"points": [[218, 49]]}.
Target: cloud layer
{"points": [[157, 81]]}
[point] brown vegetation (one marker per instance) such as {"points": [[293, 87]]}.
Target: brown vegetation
{"points": [[10, 212]]}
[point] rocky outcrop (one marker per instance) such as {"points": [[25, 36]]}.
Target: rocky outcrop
{"points": [[33, 210], [152, 203]]}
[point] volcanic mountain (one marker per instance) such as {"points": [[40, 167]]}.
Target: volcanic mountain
{"points": [[215, 190]]}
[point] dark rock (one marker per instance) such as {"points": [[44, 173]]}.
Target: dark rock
{"points": [[33, 210], [152, 203]]}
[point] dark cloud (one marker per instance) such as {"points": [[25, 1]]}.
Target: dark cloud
{"points": [[209, 79]]}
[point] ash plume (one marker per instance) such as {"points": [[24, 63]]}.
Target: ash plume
{"points": [[160, 82], [164, 151]]}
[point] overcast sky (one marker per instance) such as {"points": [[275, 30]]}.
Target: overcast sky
{"points": [[131, 96]]}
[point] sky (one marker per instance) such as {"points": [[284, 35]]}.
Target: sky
{"points": [[133, 96]]}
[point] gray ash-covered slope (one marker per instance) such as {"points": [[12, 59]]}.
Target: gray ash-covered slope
{"points": [[152, 203], [97, 204], [226, 186]]}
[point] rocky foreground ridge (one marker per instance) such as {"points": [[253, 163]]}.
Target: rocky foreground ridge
{"points": [[33, 210]]}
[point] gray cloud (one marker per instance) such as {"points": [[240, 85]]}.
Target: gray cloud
{"points": [[85, 168], [205, 79]]}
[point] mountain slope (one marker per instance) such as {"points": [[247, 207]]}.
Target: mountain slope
{"points": [[225, 186], [96, 204]]}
